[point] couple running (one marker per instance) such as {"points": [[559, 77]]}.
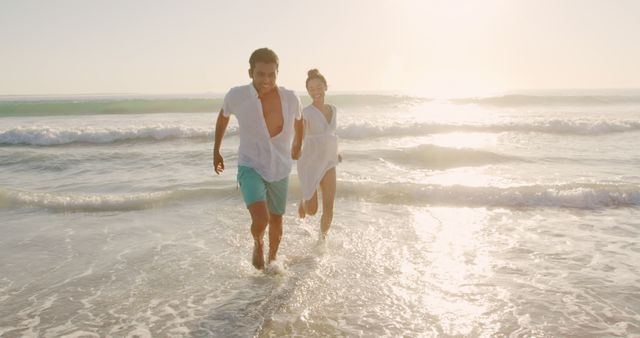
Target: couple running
{"points": [[272, 127]]}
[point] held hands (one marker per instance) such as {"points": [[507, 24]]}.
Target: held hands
{"points": [[218, 162], [295, 150]]}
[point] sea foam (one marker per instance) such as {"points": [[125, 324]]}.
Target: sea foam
{"points": [[48, 136], [77, 202], [578, 196], [56, 135], [551, 100], [363, 130]]}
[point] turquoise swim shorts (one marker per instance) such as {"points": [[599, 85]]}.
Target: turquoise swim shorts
{"points": [[254, 189]]}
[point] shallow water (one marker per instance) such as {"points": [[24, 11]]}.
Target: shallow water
{"points": [[451, 220]]}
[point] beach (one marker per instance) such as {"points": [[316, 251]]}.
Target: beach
{"points": [[511, 215]]}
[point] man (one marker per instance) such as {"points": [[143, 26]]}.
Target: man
{"points": [[267, 115]]}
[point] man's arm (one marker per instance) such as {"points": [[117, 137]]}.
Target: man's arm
{"points": [[298, 126], [221, 127]]}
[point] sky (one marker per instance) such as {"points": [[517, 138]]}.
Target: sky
{"points": [[428, 47]]}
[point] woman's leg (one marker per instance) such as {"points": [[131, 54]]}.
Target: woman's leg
{"points": [[310, 207], [328, 187]]}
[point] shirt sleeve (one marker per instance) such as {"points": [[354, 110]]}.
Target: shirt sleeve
{"points": [[227, 109]]}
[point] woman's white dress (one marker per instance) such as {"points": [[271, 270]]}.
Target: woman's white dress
{"points": [[319, 149]]}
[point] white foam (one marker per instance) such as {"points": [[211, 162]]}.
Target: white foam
{"points": [[361, 130], [49, 135], [552, 100], [581, 196], [275, 267], [70, 202]]}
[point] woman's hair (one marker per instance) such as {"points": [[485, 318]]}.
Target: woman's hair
{"points": [[264, 55], [315, 74]]}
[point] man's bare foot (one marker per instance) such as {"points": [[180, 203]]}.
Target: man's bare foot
{"points": [[321, 245], [275, 267], [258, 255], [322, 236], [301, 212]]}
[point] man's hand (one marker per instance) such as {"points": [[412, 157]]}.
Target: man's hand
{"points": [[221, 126], [218, 162]]}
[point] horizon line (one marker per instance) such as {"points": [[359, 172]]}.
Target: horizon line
{"points": [[207, 94]]}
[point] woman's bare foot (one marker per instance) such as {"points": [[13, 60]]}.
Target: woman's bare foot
{"points": [[258, 255], [301, 212]]}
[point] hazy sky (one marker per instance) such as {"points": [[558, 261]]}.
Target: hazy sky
{"points": [[438, 47]]}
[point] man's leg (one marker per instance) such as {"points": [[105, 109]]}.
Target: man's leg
{"points": [[277, 204], [275, 235], [254, 194], [259, 221]]}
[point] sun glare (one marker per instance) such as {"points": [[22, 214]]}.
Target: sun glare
{"points": [[459, 260], [465, 140]]}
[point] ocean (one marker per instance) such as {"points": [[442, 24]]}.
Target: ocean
{"points": [[506, 216]]}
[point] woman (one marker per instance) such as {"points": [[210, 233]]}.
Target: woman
{"points": [[319, 157]]}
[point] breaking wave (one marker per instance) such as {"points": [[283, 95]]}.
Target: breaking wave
{"points": [[578, 196], [150, 105], [551, 100], [74, 202], [549, 126], [47, 135]]}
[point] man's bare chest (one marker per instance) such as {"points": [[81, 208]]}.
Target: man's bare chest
{"points": [[272, 113]]}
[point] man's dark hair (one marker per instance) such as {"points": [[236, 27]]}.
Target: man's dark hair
{"points": [[264, 55]]}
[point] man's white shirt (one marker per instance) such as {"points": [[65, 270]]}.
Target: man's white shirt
{"points": [[269, 156]]}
